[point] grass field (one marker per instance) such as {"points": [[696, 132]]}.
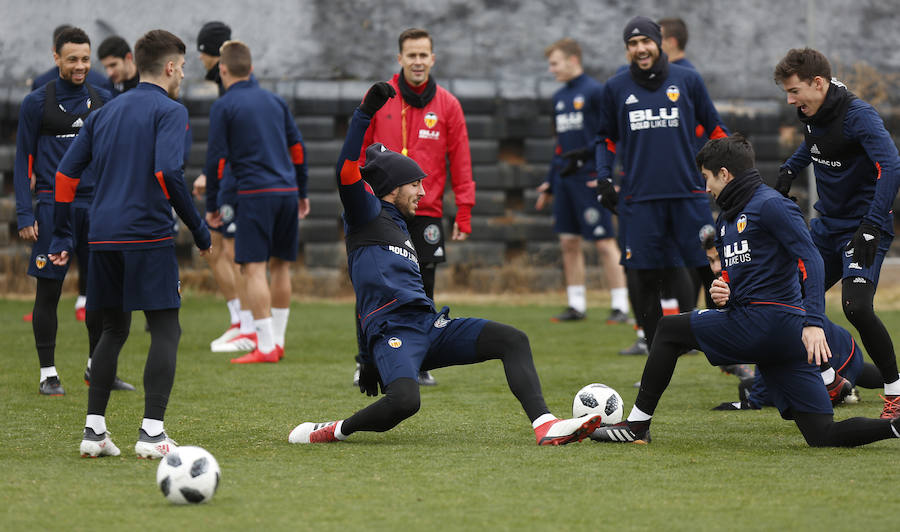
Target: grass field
{"points": [[466, 461]]}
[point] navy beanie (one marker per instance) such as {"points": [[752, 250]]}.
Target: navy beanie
{"points": [[212, 36], [386, 170], [643, 26]]}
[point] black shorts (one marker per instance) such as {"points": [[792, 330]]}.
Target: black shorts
{"points": [[427, 235]]}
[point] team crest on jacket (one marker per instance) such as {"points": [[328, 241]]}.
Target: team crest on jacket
{"points": [[578, 102], [627, 253], [742, 223], [40, 261], [673, 93], [432, 234], [431, 119], [395, 342], [591, 215]]}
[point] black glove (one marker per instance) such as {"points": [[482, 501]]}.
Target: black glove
{"points": [[377, 96], [369, 379], [783, 184], [575, 159], [607, 195], [864, 244]]}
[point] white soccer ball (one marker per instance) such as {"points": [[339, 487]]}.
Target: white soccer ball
{"points": [[188, 475], [598, 399]]}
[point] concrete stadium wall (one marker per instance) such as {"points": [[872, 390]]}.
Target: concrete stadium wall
{"points": [[734, 44]]}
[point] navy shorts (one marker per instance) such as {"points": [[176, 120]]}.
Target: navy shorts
{"points": [[770, 338], [407, 342], [576, 210], [846, 359], [831, 236], [140, 279], [427, 235], [40, 265], [666, 233], [227, 201], [267, 226]]}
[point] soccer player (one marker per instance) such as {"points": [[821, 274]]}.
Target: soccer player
{"points": [[577, 215], [649, 115], [116, 57], [94, 78], [768, 318], [400, 329], [253, 131], [857, 170], [427, 124], [133, 266], [49, 120], [241, 333]]}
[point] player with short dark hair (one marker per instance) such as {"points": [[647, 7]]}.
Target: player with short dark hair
{"points": [[577, 215], [857, 169], [253, 131], [116, 57], [768, 317], [133, 265], [399, 329], [49, 120], [94, 78]]}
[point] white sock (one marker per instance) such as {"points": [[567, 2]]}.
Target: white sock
{"points": [[49, 371], [279, 324], [828, 376], [96, 423], [80, 302], [265, 337], [638, 415], [619, 299], [543, 418], [247, 322], [669, 306], [337, 429], [640, 333], [89, 363], [153, 427], [234, 309], [892, 388], [577, 297]]}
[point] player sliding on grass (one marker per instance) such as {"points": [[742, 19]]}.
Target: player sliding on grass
{"points": [[398, 324], [767, 318]]}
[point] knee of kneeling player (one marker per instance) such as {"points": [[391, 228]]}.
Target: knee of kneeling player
{"points": [[857, 308], [403, 397]]}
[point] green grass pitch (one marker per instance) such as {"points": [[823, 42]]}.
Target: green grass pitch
{"points": [[466, 461]]}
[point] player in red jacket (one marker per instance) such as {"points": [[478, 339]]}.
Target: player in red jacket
{"points": [[427, 125]]}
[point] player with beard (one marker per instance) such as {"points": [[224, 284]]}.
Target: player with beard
{"points": [[133, 265], [399, 328], [857, 171], [649, 115], [49, 120], [427, 124]]}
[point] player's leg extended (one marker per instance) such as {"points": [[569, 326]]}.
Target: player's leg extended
{"points": [[159, 370], [116, 326], [573, 271], [610, 255], [280, 280], [820, 430]]}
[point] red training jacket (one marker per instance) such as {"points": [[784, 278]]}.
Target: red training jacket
{"points": [[430, 135]]}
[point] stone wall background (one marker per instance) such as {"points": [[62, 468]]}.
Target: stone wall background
{"points": [[734, 44]]}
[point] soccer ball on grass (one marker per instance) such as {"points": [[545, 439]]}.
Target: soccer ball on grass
{"points": [[598, 399], [188, 475]]}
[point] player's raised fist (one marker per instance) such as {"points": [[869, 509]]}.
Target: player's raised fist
{"points": [[377, 96]]}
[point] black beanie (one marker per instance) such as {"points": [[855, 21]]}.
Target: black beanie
{"points": [[643, 26], [212, 36], [386, 170]]}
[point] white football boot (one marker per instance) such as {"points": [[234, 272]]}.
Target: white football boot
{"points": [[95, 445]]}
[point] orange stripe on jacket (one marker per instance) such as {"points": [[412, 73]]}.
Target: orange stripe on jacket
{"points": [[31, 165], [350, 172], [220, 169], [699, 130], [878, 167], [717, 134], [297, 153], [802, 268], [610, 146], [65, 188], [162, 183]]}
